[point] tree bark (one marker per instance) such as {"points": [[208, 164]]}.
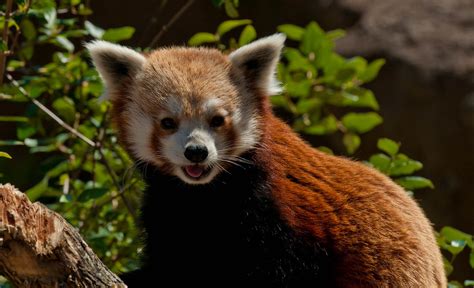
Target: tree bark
{"points": [[38, 248]]}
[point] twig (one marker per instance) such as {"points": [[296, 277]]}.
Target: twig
{"points": [[51, 113], [165, 27], [119, 188], [3, 54]]}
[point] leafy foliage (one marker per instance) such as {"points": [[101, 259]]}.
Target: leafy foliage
{"points": [[93, 184], [80, 181]]}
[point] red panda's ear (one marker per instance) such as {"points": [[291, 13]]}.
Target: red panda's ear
{"points": [[258, 61], [115, 63]]}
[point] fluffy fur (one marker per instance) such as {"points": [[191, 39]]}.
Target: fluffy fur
{"points": [[271, 211]]}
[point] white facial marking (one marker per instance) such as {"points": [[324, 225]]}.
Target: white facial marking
{"points": [[173, 105], [140, 128]]}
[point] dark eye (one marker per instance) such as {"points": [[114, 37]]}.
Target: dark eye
{"points": [[168, 124], [216, 121]]}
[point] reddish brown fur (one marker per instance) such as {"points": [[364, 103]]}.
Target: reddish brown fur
{"points": [[378, 234]]}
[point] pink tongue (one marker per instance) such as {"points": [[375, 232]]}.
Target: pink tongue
{"points": [[194, 171]]}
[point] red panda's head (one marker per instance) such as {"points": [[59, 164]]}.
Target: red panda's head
{"points": [[189, 111]]}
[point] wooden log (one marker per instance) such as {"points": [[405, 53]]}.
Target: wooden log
{"points": [[38, 248]]}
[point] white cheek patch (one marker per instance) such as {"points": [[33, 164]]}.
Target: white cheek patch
{"points": [[173, 105], [246, 127], [139, 131], [173, 147]]}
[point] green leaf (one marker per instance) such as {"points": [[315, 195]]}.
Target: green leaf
{"points": [[65, 108], [293, 32], [31, 142], [247, 35], [92, 193], [448, 267], [325, 149], [11, 143], [313, 39], [228, 25], [389, 146], [36, 191], [326, 126], [361, 122], [468, 282], [202, 37], [354, 97], [402, 165], [351, 142], [5, 155], [306, 105], [451, 234], [64, 43], [454, 284], [414, 182], [13, 119], [372, 70], [25, 130], [335, 34], [471, 258], [93, 30], [118, 34], [28, 29], [3, 46], [230, 9], [380, 161]]}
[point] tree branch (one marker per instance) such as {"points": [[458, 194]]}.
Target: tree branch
{"points": [[165, 27], [51, 113], [38, 248], [3, 54]]}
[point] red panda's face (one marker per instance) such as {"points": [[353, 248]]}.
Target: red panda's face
{"points": [[190, 112]]}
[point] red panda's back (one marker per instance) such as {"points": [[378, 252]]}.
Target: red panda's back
{"points": [[377, 233]]}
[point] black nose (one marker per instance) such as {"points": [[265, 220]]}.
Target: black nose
{"points": [[196, 153]]}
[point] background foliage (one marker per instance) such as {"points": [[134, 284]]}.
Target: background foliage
{"points": [[89, 179]]}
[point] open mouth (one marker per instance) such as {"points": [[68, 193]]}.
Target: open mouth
{"points": [[196, 172]]}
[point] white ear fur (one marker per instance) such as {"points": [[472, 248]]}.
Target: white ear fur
{"points": [[259, 60], [114, 62]]}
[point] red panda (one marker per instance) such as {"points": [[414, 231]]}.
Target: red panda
{"points": [[234, 197]]}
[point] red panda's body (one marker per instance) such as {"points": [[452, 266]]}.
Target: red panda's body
{"points": [[235, 198]]}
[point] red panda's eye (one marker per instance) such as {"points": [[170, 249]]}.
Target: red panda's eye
{"points": [[168, 124], [216, 121]]}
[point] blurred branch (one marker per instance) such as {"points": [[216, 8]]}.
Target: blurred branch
{"points": [[3, 55], [51, 113], [167, 26], [40, 249]]}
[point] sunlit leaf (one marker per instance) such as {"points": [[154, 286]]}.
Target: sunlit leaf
{"points": [[230, 9], [414, 182], [28, 29], [361, 122], [93, 30], [92, 193], [380, 161], [201, 38], [118, 34], [293, 32], [247, 35], [5, 155], [372, 70], [351, 142], [228, 25], [389, 146]]}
